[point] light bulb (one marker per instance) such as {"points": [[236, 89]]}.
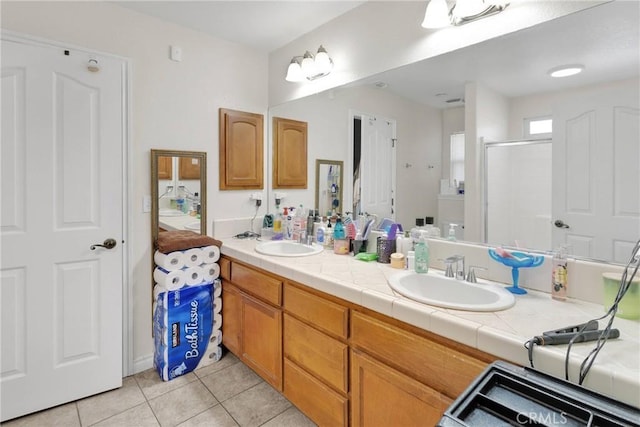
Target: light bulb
{"points": [[294, 72], [323, 61], [308, 65], [436, 15]]}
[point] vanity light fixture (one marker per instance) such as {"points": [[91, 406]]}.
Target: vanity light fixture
{"points": [[438, 13], [308, 67], [566, 70]]}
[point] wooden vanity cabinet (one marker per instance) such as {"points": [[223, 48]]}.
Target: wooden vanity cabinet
{"points": [[252, 319], [316, 355]]}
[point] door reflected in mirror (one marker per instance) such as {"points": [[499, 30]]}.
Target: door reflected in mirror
{"points": [[178, 191], [329, 186]]}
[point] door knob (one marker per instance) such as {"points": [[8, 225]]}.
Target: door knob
{"points": [[560, 224], [107, 244]]}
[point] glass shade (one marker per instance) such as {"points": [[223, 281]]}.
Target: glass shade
{"points": [[436, 15]]}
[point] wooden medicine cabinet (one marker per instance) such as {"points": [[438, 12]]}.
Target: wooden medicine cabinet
{"points": [[241, 150], [289, 153]]}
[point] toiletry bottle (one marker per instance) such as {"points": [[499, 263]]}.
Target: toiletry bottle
{"points": [[416, 231], [411, 261], [452, 232], [559, 274], [328, 236], [338, 230], [422, 256], [286, 224], [310, 225], [277, 223], [432, 230]]}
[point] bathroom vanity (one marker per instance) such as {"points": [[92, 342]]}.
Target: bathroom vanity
{"points": [[328, 332]]}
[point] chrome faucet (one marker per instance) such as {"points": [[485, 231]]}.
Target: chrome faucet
{"points": [[459, 271]]}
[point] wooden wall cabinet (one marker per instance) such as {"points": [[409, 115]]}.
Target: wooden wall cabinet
{"points": [[189, 168], [289, 153], [241, 150], [165, 167]]}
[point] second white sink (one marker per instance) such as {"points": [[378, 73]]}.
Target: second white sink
{"points": [[287, 248], [436, 289]]}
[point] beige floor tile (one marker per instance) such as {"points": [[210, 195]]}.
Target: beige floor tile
{"points": [[63, 416], [292, 417], [256, 406], [152, 385], [231, 381], [213, 417], [229, 359], [104, 405], [183, 403], [138, 416]]}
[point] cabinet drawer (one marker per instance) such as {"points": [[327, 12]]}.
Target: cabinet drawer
{"points": [[444, 369], [323, 356], [225, 268], [256, 283], [324, 314], [323, 405]]}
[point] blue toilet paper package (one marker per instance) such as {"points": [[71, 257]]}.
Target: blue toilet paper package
{"points": [[182, 326]]}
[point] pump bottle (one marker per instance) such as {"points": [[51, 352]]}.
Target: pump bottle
{"points": [[422, 256]]}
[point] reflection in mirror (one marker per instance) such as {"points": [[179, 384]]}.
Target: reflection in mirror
{"points": [[178, 191], [329, 186], [494, 87]]}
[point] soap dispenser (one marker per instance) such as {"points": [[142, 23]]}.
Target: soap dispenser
{"points": [[422, 256]]}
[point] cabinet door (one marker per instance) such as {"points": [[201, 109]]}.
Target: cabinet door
{"points": [[165, 167], [231, 318], [189, 168], [262, 339], [289, 153], [382, 396], [241, 150]]}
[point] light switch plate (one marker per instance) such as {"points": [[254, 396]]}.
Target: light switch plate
{"points": [[146, 204]]}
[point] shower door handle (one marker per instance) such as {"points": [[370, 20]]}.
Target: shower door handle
{"points": [[560, 224]]}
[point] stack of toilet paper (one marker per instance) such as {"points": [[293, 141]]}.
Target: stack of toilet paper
{"points": [[187, 310], [186, 329], [186, 268]]}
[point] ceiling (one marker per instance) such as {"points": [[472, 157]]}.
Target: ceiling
{"points": [[264, 25], [604, 39]]}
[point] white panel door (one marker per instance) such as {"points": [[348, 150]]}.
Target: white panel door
{"points": [[596, 174], [377, 167], [62, 191]]}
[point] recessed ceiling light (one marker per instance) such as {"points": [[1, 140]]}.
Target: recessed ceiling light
{"points": [[566, 70]]}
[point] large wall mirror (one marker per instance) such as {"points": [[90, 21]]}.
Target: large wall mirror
{"points": [[329, 186], [490, 88], [178, 191]]}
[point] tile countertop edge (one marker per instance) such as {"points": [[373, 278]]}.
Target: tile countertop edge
{"points": [[606, 378]]}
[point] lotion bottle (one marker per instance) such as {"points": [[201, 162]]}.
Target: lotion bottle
{"points": [[559, 274], [422, 256]]}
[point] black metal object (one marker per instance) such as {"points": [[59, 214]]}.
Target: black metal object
{"points": [[508, 395]]}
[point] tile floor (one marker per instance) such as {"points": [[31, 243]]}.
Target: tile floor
{"points": [[223, 394]]}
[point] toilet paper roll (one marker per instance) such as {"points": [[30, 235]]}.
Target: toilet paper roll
{"points": [[217, 305], [216, 337], [171, 280], [211, 355], [211, 272], [171, 261], [217, 321], [193, 275], [192, 257], [217, 289], [157, 290], [210, 254]]}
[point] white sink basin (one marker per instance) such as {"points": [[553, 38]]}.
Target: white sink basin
{"points": [[287, 248], [193, 226], [436, 289], [171, 212]]}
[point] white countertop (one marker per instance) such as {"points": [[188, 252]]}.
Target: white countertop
{"points": [[615, 373], [171, 223]]}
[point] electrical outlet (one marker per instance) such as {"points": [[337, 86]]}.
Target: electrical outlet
{"points": [[278, 195], [256, 196]]}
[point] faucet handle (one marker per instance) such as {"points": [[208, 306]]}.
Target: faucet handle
{"points": [[449, 266], [471, 275]]}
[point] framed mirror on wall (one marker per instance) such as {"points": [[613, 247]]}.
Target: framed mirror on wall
{"points": [[329, 186], [178, 191]]}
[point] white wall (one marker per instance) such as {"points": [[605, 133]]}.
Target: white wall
{"points": [[419, 134], [174, 106]]}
